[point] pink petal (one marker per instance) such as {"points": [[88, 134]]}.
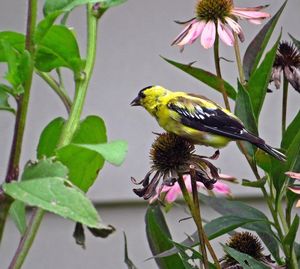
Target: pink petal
{"points": [[208, 35], [249, 14], [250, 8], [173, 193], [225, 34], [298, 203], [221, 188], [295, 189], [227, 177], [293, 175], [189, 34], [234, 25], [257, 22]]}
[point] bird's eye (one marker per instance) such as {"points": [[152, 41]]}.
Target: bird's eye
{"points": [[142, 94]]}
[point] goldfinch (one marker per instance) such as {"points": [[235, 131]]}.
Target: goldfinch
{"points": [[197, 119]]}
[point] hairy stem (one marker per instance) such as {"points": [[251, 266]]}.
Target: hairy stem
{"points": [[22, 108], [67, 134], [219, 74], [284, 104], [60, 91], [239, 59], [27, 239], [191, 206]]}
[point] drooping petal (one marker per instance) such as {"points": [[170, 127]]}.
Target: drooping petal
{"points": [[199, 26], [208, 35], [276, 76], [257, 22], [250, 14], [184, 33], [251, 8], [298, 203], [293, 76], [234, 25], [295, 189], [173, 193], [225, 34]]}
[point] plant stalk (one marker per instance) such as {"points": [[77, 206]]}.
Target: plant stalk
{"points": [[22, 108], [60, 91], [239, 59], [219, 74], [284, 104], [67, 134]]}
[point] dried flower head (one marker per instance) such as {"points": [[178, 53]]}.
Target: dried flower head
{"points": [[287, 61], [172, 156], [218, 16], [250, 244]]}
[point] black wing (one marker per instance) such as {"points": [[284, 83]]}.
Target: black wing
{"points": [[213, 121]]}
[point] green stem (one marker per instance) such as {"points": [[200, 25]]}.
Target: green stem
{"points": [[68, 131], [82, 84], [22, 108], [239, 59], [284, 104], [59, 90], [191, 206], [198, 218], [27, 239], [219, 74]]}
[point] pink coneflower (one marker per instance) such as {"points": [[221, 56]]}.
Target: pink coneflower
{"points": [[218, 16], [171, 193]]}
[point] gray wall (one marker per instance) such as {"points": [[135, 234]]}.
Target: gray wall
{"points": [[131, 38]]}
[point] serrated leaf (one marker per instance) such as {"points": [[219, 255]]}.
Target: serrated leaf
{"points": [[49, 138], [52, 194], [67, 5], [206, 77], [244, 111], [4, 104], [14, 39], [260, 79], [159, 238], [258, 45], [51, 54], [290, 132], [18, 214], [245, 260], [113, 152]]}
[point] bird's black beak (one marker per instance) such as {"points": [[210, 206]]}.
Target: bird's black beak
{"points": [[136, 101]]}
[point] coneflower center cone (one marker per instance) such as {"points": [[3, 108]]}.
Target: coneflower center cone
{"points": [[212, 10]]}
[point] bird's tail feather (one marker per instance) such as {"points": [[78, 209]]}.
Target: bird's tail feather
{"points": [[274, 152]]}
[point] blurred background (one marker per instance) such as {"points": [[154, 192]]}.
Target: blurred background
{"points": [[131, 39]]}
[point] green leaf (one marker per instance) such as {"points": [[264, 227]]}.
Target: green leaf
{"points": [[67, 5], [44, 185], [291, 236], [255, 184], [290, 132], [44, 168], [259, 80], [292, 164], [225, 224], [44, 26], [263, 160], [127, 260], [18, 214], [113, 152], [206, 77], [84, 164], [14, 39], [4, 104], [258, 45], [49, 138], [245, 260], [51, 54], [159, 238], [295, 41], [52, 194], [234, 208], [244, 111]]}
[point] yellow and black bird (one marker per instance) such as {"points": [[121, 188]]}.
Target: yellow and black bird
{"points": [[197, 119]]}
